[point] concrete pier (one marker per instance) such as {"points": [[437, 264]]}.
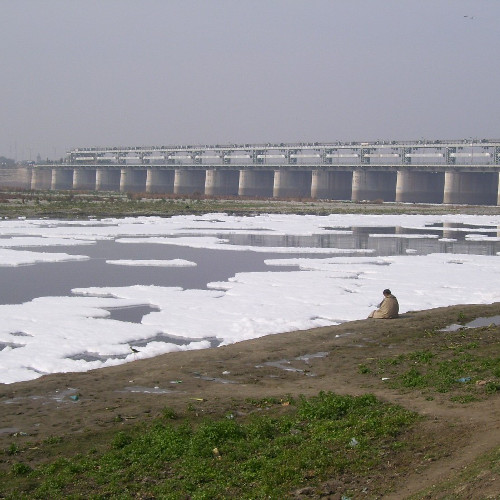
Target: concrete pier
{"points": [[61, 179], [331, 185], [470, 188], [256, 183], [84, 179], [160, 181], [222, 182], [292, 184], [133, 180], [107, 179], [189, 181], [41, 179], [371, 186], [419, 187]]}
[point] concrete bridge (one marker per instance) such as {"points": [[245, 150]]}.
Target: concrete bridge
{"points": [[462, 171]]}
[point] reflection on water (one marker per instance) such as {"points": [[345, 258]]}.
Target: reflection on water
{"points": [[436, 238]]}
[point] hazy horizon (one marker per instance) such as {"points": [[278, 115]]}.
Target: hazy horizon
{"points": [[130, 73]]}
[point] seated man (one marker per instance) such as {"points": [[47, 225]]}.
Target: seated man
{"points": [[388, 308]]}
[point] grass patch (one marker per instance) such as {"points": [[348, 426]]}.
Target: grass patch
{"points": [[465, 364], [263, 456]]}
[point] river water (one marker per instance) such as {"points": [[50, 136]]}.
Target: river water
{"points": [[246, 277]]}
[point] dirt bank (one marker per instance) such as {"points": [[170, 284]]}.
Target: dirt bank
{"points": [[303, 362]]}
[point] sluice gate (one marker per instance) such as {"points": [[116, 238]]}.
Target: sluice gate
{"points": [[459, 172]]}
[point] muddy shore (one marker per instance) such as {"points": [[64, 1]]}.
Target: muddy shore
{"points": [[300, 362]]}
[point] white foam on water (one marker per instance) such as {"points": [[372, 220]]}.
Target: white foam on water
{"points": [[52, 334], [11, 258], [153, 263]]}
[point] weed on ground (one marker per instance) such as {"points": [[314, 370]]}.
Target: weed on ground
{"points": [[263, 456]]}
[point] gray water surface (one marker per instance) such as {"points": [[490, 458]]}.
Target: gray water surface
{"points": [[23, 283]]}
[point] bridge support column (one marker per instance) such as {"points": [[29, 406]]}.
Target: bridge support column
{"points": [[373, 186], [160, 181], [419, 187], [331, 185], [222, 182], [132, 180], [498, 196], [256, 183], [84, 179], [61, 179], [292, 184], [471, 188], [189, 181], [41, 178], [107, 179]]}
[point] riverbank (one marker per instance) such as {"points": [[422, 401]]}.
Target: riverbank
{"points": [[452, 450], [70, 204]]}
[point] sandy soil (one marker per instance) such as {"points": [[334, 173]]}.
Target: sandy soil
{"points": [[215, 379]]}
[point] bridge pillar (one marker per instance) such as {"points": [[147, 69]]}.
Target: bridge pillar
{"points": [[222, 182], [133, 180], [84, 179], [256, 183], [160, 181], [472, 188], [189, 181], [41, 178], [419, 187], [61, 179], [373, 185], [107, 179], [331, 185], [292, 184]]}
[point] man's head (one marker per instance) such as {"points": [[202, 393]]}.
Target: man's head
{"points": [[386, 292]]}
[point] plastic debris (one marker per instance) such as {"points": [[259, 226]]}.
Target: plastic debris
{"points": [[75, 397], [353, 443], [463, 380]]}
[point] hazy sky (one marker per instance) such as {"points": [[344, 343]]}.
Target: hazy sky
{"points": [[79, 73]]}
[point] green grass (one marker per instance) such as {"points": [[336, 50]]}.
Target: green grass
{"points": [[465, 364], [264, 456]]}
